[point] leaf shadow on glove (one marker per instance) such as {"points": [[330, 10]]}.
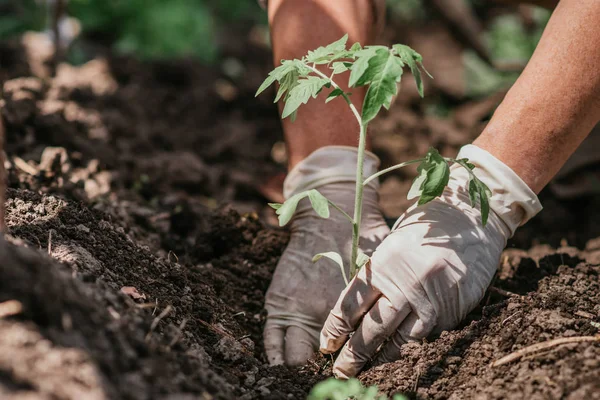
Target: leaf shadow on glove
{"points": [[425, 277]]}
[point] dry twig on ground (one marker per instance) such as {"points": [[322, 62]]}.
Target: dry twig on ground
{"points": [[156, 320], [534, 348]]}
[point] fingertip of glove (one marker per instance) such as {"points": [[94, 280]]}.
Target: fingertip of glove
{"points": [[275, 360], [341, 375], [273, 337], [300, 345], [329, 344], [324, 346], [345, 369], [298, 358]]}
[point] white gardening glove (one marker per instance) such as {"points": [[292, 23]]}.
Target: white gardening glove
{"points": [[432, 270], [302, 293]]}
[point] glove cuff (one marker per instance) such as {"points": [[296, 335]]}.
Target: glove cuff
{"points": [[329, 164], [512, 200]]}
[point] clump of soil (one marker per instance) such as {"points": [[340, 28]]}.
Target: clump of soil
{"points": [[139, 246]]}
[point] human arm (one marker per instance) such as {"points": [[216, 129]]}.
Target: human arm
{"points": [[555, 102], [437, 263]]}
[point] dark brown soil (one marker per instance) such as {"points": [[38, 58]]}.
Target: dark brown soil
{"points": [[140, 246], [561, 298]]}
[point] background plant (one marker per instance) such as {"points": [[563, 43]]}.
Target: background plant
{"points": [[379, 68]]}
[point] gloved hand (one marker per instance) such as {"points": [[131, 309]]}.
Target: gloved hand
{"points": [[431, 270], [302, 293]]}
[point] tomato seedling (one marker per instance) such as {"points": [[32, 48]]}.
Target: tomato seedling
{"points": [[333, 389], [379, 69]]}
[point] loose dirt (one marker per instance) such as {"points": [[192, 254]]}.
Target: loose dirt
{"points": [[140, 247]]}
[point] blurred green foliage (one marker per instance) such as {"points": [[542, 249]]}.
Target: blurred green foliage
{"points": [[148, 28], [173, 28], [19, 16], [510, 40], [333, 389], [151, 28]]}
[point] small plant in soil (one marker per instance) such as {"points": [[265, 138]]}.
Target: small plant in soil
{"points": [[333, 389], [379, 69]]}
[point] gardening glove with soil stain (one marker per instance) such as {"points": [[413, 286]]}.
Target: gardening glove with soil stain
{"points": [[433, 268], [302, 293]]}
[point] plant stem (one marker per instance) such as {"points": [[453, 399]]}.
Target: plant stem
{"points": [[362, 144], [349, 218], [453, 160], [393, 167], [543, 346]]}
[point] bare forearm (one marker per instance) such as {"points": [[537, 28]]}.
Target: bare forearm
{"points": [[555, 103], [298, 26]]}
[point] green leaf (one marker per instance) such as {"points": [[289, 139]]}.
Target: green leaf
{"points": [[334, 93], [384, 73], [288, 208], [480, 189], [413, 60], [334, 389], [276, 75], [361, 259], [332, 255], [323, 55], [370, 393], [318, 56], [473, 193], [338, 45], [477, 189], [361, 65], [302, 69], [438, 175], [358, 69], [319, 203], [293, 116], [341, 66], [268, 82], [417, 186], [484, 194], [355, 47], [275, 206], [300, 94], [286, 84]]}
